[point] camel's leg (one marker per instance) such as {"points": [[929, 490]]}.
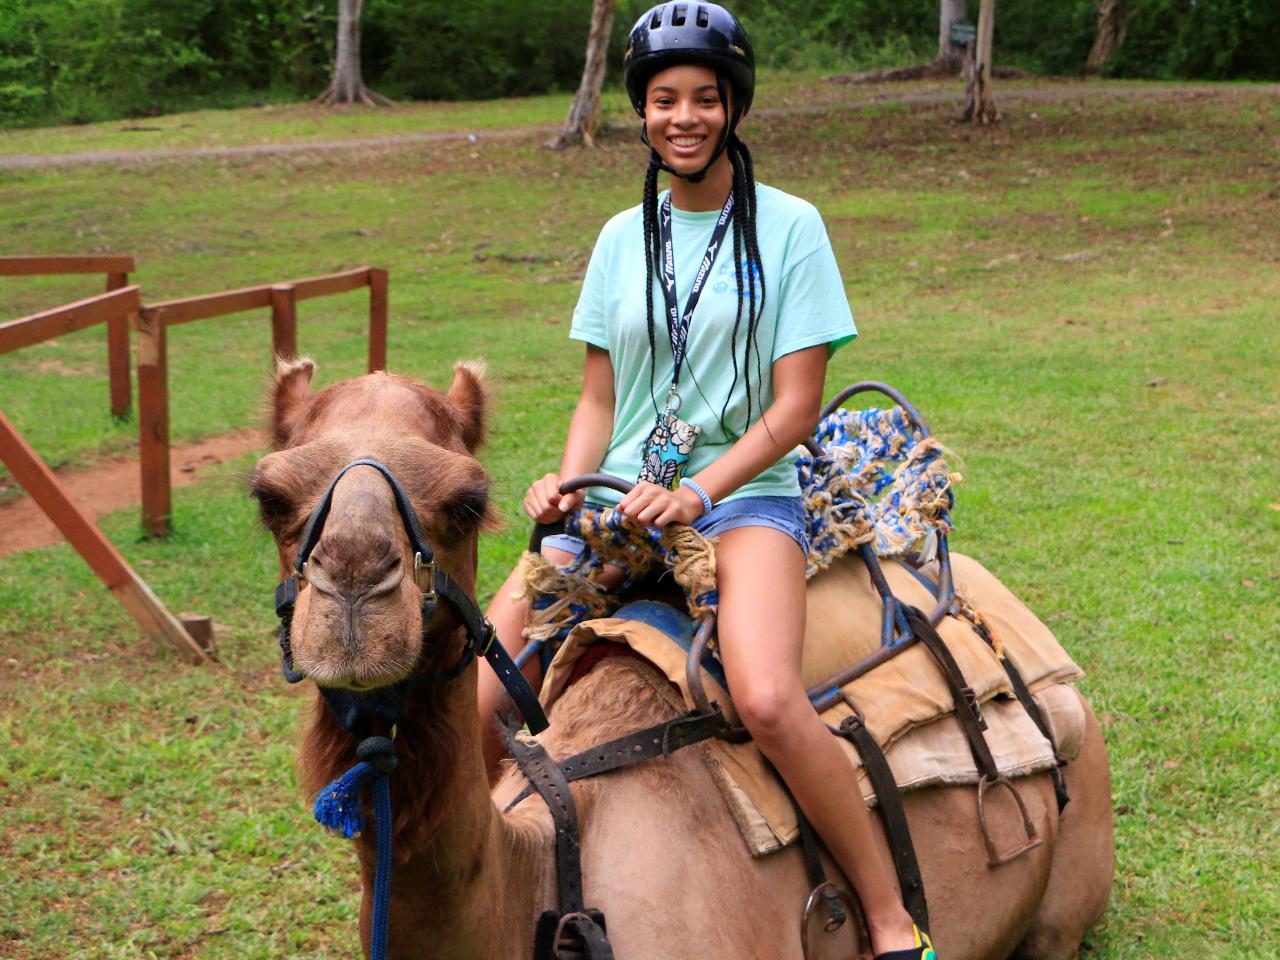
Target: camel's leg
{"points": [[1083, 858]]}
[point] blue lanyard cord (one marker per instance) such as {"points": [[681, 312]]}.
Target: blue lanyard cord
{"points": [[677, 322]]}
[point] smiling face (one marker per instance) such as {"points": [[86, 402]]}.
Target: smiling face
{"points": [[685, 116]]}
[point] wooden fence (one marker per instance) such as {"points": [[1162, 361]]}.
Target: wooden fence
{"points": [[117, 270], [153, 362], [28, 469]]}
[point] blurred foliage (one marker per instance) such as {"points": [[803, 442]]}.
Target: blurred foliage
{"points": [[78, 61]]}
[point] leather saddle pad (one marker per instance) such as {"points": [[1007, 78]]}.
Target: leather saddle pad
{"points": [[906, 702]]}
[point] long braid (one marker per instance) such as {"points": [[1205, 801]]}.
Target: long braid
{"points": [[753, 255], [652, 257], [744, 217]]}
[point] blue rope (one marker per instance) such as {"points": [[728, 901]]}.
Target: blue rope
{"points": [[337, 807]]}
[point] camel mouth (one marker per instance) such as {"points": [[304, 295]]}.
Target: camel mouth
{"points": [[359, 678]]}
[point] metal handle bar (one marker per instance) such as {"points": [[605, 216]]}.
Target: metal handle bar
{"points": [[875, 386], [584, 480]]}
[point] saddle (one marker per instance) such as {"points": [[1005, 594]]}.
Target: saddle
{"points": [[905, 702]]}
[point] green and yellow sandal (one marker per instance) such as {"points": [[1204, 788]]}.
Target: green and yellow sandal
{"points": [[923, 950]]}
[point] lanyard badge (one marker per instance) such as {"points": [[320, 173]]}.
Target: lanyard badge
{"points": [[669, 444]]}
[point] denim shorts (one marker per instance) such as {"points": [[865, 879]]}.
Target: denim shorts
{"points": [[785, 514]]}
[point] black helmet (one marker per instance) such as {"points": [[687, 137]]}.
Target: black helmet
{"points": [[704, 33]]}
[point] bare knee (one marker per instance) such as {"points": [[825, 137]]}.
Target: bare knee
{"points": [[768, 709]]}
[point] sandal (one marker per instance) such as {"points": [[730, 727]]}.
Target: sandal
{"points": [[923, 950]]}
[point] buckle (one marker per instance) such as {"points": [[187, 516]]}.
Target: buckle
{"points": [[421, 567], [490, 634]]}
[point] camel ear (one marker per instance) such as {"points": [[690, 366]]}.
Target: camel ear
{"points": [[470, 398], [290, 393]]}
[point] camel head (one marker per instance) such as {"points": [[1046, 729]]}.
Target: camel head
{"points": [[358, 621]]}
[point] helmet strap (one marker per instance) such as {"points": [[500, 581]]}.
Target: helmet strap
{"points": [[726, 135]]}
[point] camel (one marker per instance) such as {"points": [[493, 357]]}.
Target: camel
{"points": [[660, 855]]}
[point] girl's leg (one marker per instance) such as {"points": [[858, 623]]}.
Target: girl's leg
{"points": [[760, 574]]}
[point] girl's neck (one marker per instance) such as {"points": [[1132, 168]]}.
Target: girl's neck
{"points": [[709, 193]]}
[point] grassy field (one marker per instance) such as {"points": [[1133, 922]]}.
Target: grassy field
{"points": [[1082, 300]]}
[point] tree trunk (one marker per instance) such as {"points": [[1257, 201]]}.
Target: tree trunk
{"points": [[581, 122], [979, 104], [348, 82], [949, 54], [1113, 21]]}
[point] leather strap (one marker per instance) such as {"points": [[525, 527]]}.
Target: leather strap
{"points": [[659, 740], [574, 922], [968, 712], [894, 816], [1029, 704], [836, 914]]}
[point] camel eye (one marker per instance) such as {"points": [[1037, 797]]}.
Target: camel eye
{"points": [[273, 506]]}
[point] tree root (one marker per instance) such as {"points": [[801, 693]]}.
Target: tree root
{"points": [[363, 96]]}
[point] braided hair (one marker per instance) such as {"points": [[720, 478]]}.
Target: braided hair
{"points": [[748, 273]]}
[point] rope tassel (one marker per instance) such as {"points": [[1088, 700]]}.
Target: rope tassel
{"points": [[337, 806]]}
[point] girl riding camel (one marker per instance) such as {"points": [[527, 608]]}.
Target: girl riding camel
{"points": [[702, 388]]}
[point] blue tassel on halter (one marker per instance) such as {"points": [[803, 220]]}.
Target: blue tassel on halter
{"points": [[337, 806]]}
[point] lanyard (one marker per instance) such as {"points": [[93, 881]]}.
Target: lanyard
{"points": [[678, 323]]}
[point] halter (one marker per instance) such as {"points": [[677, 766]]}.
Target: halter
{"points": [[358, 712]]}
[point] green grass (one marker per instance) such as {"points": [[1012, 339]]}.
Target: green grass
{"points": [[1083, 302]]}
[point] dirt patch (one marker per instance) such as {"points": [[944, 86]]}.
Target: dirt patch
{"points": [[114, 485]]}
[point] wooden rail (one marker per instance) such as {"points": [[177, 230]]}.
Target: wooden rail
{"points": [[39, 481], [117, 270], [153, 359]]}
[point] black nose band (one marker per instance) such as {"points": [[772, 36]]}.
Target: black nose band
{"points": [[315, 525]]}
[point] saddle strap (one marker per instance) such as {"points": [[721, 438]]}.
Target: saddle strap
{"points": [[1029, 704], [968, 711], [659, 740], [894, 816], [836, 914], [574, 929]]}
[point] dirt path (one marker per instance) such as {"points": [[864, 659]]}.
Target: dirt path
{"points": [[114, 485], [1048, 92]]}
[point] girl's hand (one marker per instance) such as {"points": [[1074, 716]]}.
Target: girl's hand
{"points": [[656, 506], [544, 503]]}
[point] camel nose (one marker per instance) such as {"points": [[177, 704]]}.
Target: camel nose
{"points": [[356, 561]]}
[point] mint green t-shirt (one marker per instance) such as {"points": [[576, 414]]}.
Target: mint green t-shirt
{"points": [[804, 305]]}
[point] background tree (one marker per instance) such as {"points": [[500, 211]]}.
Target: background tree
{"points": [[979, 104], [347, 85], [581, 122], [950, 55], [1113, 21]]}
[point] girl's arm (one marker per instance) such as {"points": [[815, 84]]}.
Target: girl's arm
{"points": [[586, 444], [798, 380]]}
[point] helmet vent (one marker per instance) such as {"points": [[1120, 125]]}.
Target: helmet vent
{"points": [[704, 17], [678, 14], [655, 22]]}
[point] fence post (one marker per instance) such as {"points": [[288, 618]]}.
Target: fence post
{"points": [[99, 552], [377, 319], [118, 353], [153, 423], [284, 321]]}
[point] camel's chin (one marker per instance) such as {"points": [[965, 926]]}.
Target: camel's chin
{"points": [[355, 670]]}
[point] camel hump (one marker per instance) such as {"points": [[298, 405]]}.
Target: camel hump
{"points": [[907, 704]]}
